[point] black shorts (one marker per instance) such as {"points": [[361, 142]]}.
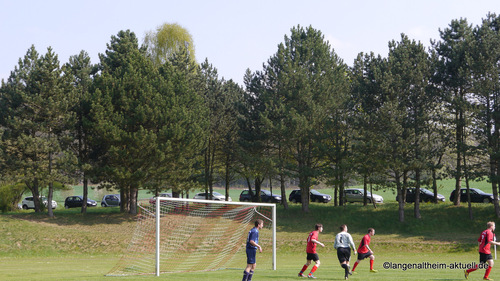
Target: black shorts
{"points": [[312, 257], [364, 256], [483, 258], [344, 254]]}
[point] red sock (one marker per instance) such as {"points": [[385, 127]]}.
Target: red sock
{"points": [[487, 273], [354, 266], [371, 264], [313, 269], [472, 269], [303, 268]]}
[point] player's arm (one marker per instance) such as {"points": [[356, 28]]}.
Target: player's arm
{"points": [[370, 250], [494, 243], [317, 242], [256, 245], [351, 243]]}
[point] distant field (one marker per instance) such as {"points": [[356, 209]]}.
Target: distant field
{"points": [[445, 187], [74, 246]]}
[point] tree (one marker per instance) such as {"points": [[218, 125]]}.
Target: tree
{"points": [[308, 80], [166, 40], [79, 70], [36, 97], [409, 73], [486, 54], [367, 98], [145, 119], [453, 78]]}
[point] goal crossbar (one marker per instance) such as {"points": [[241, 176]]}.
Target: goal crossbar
{"points": [[158, 222]]}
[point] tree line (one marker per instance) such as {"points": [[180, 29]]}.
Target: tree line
{"points": [[147, 118]]}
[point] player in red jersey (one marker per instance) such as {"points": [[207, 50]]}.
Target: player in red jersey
{"points": [[364, 251], [485, 240], [312, 240]]}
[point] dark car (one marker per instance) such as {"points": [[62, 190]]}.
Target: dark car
{"points": [[425, 195], [110, 200], [265, 196], [476, 195], [314, 196], [77, 201]]}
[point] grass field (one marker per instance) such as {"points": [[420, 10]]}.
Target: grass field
{"points": [[74, 246]]}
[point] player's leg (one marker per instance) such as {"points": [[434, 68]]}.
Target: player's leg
{"points": [[488, 270], [316, 265], [250, 273], [246, 272], [355, 265], [372, 260], [304, 268], [251, 260]]}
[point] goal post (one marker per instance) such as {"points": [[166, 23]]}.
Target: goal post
{"points": [[158, 220], [187, 235]]}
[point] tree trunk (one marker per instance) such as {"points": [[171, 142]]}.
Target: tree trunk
{"points": [[284, 199], [85, 194], [50, 211], [401, 199], [133, 200], [416, 207]]}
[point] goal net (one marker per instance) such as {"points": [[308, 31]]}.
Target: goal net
{"points": [[186, 235]]}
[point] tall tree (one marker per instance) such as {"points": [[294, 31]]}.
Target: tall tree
{"points": [[308, 80], [367, 98], [146, 120], [486, 70], [166, 40], [453, 77], [80, 71], [37, 99], [409, 73]]}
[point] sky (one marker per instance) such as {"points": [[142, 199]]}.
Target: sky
{"points": [[233, 35]]}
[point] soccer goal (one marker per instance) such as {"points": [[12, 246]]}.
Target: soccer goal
{"points": [[187, 235]]}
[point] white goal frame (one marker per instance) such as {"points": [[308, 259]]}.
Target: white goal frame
{"points": [[158, 218]]}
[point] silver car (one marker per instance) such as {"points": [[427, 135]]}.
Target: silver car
{"points": [[29, 203], [357, 194], [216, 196]]}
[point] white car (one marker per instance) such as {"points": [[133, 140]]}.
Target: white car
{"points": [[29, 203], [357, 194], [216, 196]]}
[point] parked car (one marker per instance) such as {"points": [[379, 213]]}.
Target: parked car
{"points": [[110, 200], [265, 196], [77, 201], [425, 195], [352, 195], [152, 200], [216, 196], [314, 196], [29, 203], [476, 195]]}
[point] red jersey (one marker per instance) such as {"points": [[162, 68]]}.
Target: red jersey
{"points": [[484, 239], [311, 246], [362, 249]]}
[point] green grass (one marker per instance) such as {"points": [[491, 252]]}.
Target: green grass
{"points": [[94, 267], [75, 246]]}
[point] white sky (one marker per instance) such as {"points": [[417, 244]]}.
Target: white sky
{"points": [[234, 35]]}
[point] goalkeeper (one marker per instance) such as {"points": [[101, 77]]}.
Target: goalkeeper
{"points": [[252, 246]]}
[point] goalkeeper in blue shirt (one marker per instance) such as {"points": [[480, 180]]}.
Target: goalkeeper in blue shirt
{"points": [[252, 246], [344, 244]]}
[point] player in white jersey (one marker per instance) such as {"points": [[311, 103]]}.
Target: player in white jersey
{"points": [[344, 244]]}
